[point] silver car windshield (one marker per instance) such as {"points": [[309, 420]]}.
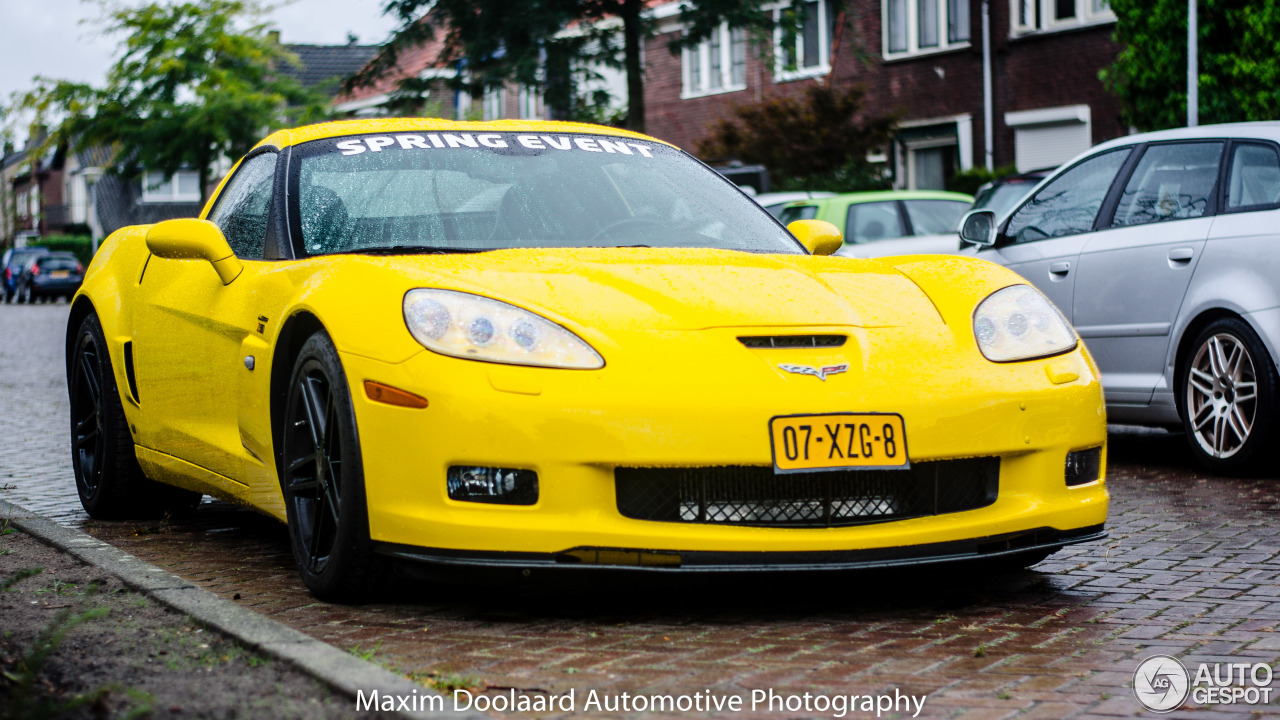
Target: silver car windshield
{"points": [[468, 191]]}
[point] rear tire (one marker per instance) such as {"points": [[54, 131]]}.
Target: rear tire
{"points": [[322, 479], [109, 480], [1229, 396]]}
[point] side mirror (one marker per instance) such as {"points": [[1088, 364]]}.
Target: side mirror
{"points": [[818, 236], [192, 239], [979, 228]]}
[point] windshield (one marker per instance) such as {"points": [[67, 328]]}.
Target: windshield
{"points": [[467, 192]]}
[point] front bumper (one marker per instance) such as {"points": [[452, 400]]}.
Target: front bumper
{"points": [[575, 427]]}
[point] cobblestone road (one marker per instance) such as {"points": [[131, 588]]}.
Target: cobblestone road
{"points": [[1192, 569]]}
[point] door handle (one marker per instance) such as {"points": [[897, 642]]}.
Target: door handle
{"points": [[1060, 269], [1181, 255]]}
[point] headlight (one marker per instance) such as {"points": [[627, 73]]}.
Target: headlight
{"points": [[477, 328], [1018, 323]]}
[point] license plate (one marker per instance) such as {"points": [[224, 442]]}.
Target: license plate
{"points": [[59, 274], [837, 441]]}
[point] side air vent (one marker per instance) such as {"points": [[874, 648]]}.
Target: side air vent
{"points": [[792, 341], [128, 371]]}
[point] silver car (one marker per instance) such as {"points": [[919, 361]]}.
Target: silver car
{"points": [[1163, 249]]}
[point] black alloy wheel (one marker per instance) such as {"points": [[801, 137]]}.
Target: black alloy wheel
{"points": [[1229, 396], [322, 479], [109, 480]]}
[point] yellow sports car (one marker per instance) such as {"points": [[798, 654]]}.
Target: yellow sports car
{"points": [[542, 345]]}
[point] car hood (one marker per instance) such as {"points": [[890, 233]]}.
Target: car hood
{"points": [[948, 244], [684, 289]]}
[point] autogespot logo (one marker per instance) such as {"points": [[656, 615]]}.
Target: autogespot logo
{"points": [[1161, 683]]}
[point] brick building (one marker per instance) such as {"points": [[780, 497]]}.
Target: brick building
{"points": [[920, 59]]}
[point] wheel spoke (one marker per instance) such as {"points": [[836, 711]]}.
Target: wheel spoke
{"points": [[1201, 381], [1219, 424], [1246, 391], [90, 380], [300, 463], [1234, 361], [1239, 424], [313, 546], [309, 406]]}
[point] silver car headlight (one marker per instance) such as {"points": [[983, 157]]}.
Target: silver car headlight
{"points": [[478, 328], [1018, 323]]}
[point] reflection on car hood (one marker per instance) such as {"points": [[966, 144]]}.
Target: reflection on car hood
{"points": [[683, 289], [948, 244]]}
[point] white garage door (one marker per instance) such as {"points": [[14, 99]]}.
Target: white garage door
{"points": [[1047, 146]]}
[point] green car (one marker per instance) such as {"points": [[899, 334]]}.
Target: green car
{"points": [[890, 222]]}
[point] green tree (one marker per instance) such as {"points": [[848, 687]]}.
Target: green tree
{"points": [[193, 82], [1239, 61], [818, 141], [543, 43]]}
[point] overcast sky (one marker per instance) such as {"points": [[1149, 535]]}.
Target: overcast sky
{"points": [[46, 37]]}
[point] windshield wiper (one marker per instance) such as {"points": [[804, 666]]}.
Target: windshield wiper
{"points": [[407, 250]]}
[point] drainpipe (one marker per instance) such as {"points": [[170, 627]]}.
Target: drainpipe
{"points": [[1193, 63], [988, 101]]}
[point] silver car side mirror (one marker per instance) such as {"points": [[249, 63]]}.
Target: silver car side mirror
{"points": [[979, 228]]}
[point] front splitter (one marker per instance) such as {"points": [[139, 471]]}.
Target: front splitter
{"points": [[991, 546]]}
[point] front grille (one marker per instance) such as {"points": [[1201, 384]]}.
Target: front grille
{"points": [[750, 495], [792, 341]]}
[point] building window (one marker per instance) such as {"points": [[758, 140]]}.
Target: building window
{"points": [[717, 64], [1040, 15], [183, 186], [810, 54], [493, 103], [531, 107], [919, 26]]}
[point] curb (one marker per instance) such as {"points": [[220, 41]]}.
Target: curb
{"points": [[339, 670]]}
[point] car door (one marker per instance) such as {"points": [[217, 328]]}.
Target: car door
{"points": [[1042, 239], [191, 329], [1133, 274]]}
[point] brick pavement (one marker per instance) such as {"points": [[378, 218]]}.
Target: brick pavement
{"points": [[1192, 569]]}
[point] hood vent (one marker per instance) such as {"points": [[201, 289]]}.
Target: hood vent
{"points": [[792, 341]]}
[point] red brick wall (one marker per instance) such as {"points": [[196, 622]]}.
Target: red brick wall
{"points": [[1029, 72]]}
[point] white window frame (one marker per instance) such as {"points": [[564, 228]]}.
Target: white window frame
{"points": [[701, 55], [913, 31], [531, 104], [1085, 15], [154, 186], [780, 73], [492, 104]]}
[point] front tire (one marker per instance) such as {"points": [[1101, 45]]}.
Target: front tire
{"points": [[1228, 388], [108, 478], [322, 479]]}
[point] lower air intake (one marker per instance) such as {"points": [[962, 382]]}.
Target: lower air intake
{"points": [[750, 495]]}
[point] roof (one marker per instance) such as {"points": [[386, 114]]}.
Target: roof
{"points": [[411, 62], [320, 63], [307, 133], [1265, 129]]}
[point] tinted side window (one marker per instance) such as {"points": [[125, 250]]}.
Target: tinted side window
{"points": [[869, 222], [934, 217], [1069, 204], [1255, 176], [245, 204], [798, 212], [1171, 182]]}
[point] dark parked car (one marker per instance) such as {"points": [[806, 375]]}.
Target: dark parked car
{"points": [[48, 277], [14, 260]]}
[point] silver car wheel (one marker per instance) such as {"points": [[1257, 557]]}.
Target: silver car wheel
{"points": [[1222, 395]]}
